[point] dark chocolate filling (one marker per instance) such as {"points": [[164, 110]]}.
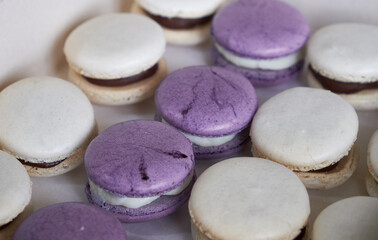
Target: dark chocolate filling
{"points": [[301, 235], [123, 81], [326, 169], [40, 165], [342, 87], [179, 23]]}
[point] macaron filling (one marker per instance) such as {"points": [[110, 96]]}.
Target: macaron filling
{"points": [[41, 165], [134, 202], [339, 86], [278, 63], [124, 81]]}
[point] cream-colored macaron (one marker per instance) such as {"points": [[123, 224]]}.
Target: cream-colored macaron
{"points": [[343, 59], [372, 163], [310, 131], [46, 123], [117, 58], [15, 194], [248, 198], [348, 219], [185, 22]]}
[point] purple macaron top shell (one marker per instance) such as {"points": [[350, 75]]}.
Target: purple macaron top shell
{"points": [[206, 101], [139, 158], [74, 221], [260, 29]]}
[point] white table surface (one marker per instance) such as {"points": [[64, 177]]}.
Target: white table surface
{"points": [[31, 40]]}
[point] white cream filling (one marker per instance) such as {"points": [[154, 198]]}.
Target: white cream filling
{"points": [[265, 64], [206, 141], [133, 202]]}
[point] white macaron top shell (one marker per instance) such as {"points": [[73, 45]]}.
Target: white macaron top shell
{"points": [[347, 219], [181, 8], [345, 52], [115, 46], [305, 128], [373, 155], [44, 119], [15, 188], [249, 198]]}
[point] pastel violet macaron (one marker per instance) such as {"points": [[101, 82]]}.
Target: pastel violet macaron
{"points": [[70, 220], [139, 170], [261, 39], [343, 59], [117, 58], [185, 22], [312, 132], [350, 218], [372, 163], [46, 123], [211, 106], [15, 194], [248, 198]]}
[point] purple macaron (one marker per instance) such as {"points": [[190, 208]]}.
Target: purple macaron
{"points": [[139, 170], [261, 39], [72, 220], [211, 106]]}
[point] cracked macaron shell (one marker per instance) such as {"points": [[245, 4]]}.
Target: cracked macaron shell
{"points": [[72, 221], [206, 101], [139, 158], [260, 29]]}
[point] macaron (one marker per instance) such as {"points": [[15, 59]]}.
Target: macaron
{"points": [[46, 123], [343, 59], [15, 194], [211, 106], [248, 198], [70, 220], [312, 132], [139, 170], [185, 22], [261, 39], [372, 163], [116, 58], [347, 219]]}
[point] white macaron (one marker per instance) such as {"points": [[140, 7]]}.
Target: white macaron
{"points": [[46, 123], [248, 198], [310, 131], [15, 194], [116, 58], [343, 59], [348, 219], [372, 163], [185, 22]]}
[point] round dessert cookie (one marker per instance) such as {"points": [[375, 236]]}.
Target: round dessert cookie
{"points": [[248, 198], [261, 39], [211, 106], [185, 22], [310, 131], [139, 170], [350, 218], [117, 58], [15, 194], [343, 59], [70, 220], [372, 163], [46, 123]]}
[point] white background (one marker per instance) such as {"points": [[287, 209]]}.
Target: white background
{"points": [[32, 33]]}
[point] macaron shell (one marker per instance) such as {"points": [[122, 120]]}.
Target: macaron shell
{"points": [[139, 159], [350, 218], [115, 45], [128, 94], [259, 77], [15, 188], [345, 52], [6, 232], [362, 100], [371, 185], [260, 29], [206, 101]]}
